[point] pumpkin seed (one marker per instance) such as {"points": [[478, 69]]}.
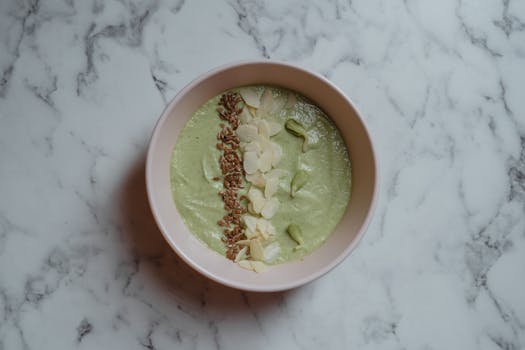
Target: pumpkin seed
{"points": [[294, 231], [299, 180]]}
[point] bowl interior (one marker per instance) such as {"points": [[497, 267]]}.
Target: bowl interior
{"points": [[335, 105]]}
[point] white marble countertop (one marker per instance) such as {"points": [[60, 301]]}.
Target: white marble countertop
{"points": [[440, 84]]}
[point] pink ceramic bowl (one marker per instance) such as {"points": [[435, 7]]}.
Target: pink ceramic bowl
{"points": [[364, 175]]}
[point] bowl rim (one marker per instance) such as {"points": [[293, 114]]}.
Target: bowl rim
{"points": [[224, 281]]}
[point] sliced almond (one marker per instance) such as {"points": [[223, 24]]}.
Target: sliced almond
{"points": [[251, 222], [250, 209], [264, 162], [243, 242], [245, 117], [251, 234], [272, 185], [274, 128], [241, 255], [266, 101], [262, 225], [254, 193], [258, 205], [247, 132], [261, 114], [256, 179], [252, 265], [257, 199], [258, 266], [252, 147], [250, 162], [277, 153], [246, 264], [265, 236], [253, 111], [271, 251], [256, 249], [265, 144], [250, 96], [270, 208], [263, 128]]}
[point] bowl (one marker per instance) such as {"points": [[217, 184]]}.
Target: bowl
{"points": [[364, 175]]}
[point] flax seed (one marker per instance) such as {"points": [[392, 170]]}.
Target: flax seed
{"points": [[230, 162]]}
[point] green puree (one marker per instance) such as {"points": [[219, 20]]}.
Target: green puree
{"points": [[316, 208]]}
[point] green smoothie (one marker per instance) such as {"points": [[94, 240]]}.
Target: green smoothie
{"points": [[316, 207]]}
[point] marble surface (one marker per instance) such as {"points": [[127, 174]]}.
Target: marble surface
{"points": [[440, 84]]}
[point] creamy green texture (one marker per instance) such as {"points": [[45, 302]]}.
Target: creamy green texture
{"points": [[316, 208]]}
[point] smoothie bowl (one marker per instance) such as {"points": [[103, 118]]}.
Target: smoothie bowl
{"points": [[261, 175]]}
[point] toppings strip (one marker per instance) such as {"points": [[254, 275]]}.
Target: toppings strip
{"points": [[247, 152], [229, 109]]}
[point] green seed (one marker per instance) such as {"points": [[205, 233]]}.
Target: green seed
{"points": [[294, 231], [299, 180], [295, 128]]}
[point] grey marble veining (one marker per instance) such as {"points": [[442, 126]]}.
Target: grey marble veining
{"points": [[82, 264]]}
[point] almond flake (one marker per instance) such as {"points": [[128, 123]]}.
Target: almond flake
{"points": [[247, 133], [253, 111], [251, 222], [250, 96], [261, 114], [265, 161], [263, 128], [274, 128], [266, 100], [258, 266], [257, 199], [243, 242], [272, 185], [256, 250], [241, 254], [264, 235], [252, 147], [250, 162], [271, 251], [256, 179], [270, 208], [262, 225], [264, 142], [245, 117], [246, 264], [251, 234]]}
